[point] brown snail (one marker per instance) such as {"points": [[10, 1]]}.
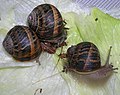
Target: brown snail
{"points": [[84, 59], [49, 26], [22, 43]]}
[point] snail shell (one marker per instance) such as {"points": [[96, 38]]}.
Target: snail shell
{"points": [[48, 24], [46, 21], [22, 43], [84, 59]]}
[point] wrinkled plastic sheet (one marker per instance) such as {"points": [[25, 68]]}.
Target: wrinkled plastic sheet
{"points": [[17, 78]]}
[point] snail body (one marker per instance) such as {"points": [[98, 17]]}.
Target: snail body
{"points": [[49, 26], [22, 43], [84, 59]]}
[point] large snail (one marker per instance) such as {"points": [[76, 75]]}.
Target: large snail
{"points": [[22, 43], [84, 59], [49, 26]]}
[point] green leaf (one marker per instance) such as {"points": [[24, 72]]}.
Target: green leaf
{"points": [[104, 31]]}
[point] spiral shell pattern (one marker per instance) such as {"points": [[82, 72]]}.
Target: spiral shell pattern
{"points": [[46, 21], [84, 57], [22, 43]]}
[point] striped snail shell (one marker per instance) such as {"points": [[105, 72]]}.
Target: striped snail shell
{"points": [[22, 43], [48, 24], [84, 59], [46, 20]]}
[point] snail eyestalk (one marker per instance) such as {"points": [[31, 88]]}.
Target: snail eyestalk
{"points": [[108, 57], [107, 61]]}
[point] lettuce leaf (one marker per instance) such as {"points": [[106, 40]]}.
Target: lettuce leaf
{"points": [[16, 79], [102, 30]]}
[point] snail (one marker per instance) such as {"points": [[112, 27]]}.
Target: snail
{"points": [[84, 59], [47, 22], [22, 43]]}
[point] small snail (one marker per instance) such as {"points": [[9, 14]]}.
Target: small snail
{"points": [[22, 43], [84, 59], [49, 26]]}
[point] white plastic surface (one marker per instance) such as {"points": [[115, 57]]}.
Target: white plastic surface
{"points": [[18, 80], [111, 7]]}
